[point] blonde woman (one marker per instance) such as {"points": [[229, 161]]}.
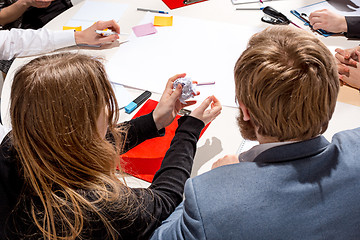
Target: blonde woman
{"points": [[58, 168]]}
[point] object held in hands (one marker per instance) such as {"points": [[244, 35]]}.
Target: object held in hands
{"points": [[188, 88]]}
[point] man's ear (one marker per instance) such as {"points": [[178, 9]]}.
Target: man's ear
{"points": [[245, 111]]}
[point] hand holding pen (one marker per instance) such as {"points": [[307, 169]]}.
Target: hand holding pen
{"points": [[90, 37]]}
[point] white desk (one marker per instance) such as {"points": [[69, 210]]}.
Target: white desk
{"points": [[222, 137]]}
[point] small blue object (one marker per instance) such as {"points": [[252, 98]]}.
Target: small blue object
{"points": [[130, 107]]}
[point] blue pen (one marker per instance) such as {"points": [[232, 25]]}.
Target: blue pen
{"points": [[137, 102], [150, 10]]}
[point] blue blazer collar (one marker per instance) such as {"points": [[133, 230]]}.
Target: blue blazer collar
{"points": [[293, 151]]}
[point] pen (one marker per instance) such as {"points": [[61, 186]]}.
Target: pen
{"points": [[205, 83], [250, 8], [108, 33], [150, 10], [137, 102]]}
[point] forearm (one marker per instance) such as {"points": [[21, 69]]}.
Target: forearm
{"points": [[177, 163], [167, 188], [20, 42], [14, 11]]}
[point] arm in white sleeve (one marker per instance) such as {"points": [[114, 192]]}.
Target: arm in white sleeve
{"points": [[20, 42]]}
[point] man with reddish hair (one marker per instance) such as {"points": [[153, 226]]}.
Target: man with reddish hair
{"points": [[295, 184]]}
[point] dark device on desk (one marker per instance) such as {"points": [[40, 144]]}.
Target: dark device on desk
{"points": [[274, 17]]}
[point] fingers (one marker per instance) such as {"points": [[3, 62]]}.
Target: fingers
{"points": [[176, 94], [188, 103], [343, 69], [107, 39], [205, 104], [344, 56], [169, 85], [343, 52], [216, 102], [111, 24]]}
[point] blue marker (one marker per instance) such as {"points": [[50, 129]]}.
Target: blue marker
{"points": [[137, 102]]}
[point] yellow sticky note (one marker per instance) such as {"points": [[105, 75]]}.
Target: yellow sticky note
{"points": [[163, 21], [70, 28]]}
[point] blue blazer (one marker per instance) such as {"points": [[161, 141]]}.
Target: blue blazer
{"points": [[302, 190]]}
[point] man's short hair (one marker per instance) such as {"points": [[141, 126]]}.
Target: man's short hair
{"points": [[287, 78]]}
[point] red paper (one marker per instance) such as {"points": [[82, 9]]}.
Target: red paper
{"points": [[172, 4], [145, 159]]}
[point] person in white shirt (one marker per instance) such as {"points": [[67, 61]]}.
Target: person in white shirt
{"points": [[26, 42], [20, 42]]}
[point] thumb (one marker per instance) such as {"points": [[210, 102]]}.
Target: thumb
{"points": [[177, 93], [205, 104]]}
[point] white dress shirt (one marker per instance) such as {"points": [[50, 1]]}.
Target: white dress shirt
{"points": [[26, 42], [20, 42]]}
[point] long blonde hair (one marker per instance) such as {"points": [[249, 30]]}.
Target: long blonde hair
{"points": [[55, 103]]}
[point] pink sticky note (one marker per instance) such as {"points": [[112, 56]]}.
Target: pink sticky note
{"points": [[144, 29]]}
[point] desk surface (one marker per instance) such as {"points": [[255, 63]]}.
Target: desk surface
{"points": [[218, 140]]}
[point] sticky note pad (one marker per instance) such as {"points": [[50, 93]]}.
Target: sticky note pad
{"points": [[70, 28], [163, 21], [144, 29]]}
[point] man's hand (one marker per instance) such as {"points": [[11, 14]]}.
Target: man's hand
{"points": [[328, 21], [89, 36], [347, 56]]}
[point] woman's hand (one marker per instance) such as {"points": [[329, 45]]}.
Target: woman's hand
{"points": [[207, 115], [169, 104]]}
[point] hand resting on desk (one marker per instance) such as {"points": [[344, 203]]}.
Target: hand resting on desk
{"points": [[328, 21], [348, 66]]}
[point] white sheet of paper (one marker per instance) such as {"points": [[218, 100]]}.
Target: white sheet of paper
{"points": [[345, 8], [100, 10], [78, 23], [205, 50], [123, 97], [343, 119], [93, 11]]}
